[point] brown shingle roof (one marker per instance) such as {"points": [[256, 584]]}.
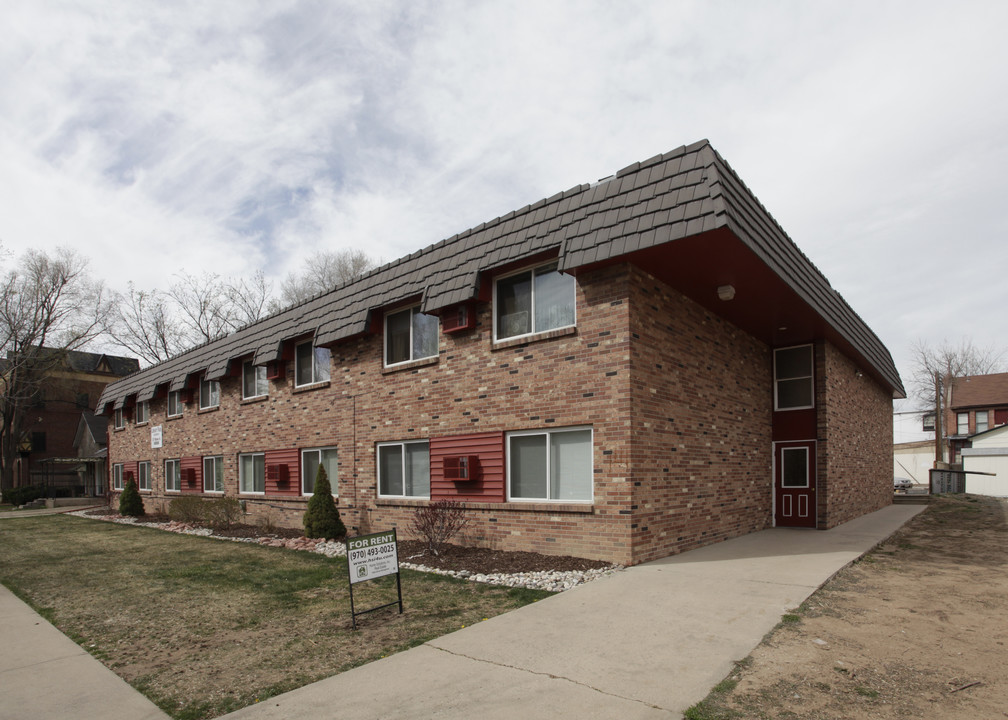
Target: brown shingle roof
{"points": [[980, 391], [681, 193]]}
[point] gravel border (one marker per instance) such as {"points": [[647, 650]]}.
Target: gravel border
{"points": [[550, 580]]}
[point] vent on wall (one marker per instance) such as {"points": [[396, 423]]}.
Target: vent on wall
{"points": [[189, 476], [461, 468], [275, 370], [278, 474], [458, 318]]}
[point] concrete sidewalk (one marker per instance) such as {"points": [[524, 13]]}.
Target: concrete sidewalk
{"points": [[46, 675], [645, 643]]}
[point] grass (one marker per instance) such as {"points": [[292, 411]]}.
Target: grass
{"points": [[203, 627]]}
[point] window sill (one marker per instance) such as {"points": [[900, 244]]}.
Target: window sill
{"points": [[141, 424], [308, 388], [410, 365], [254, 400], [169, 418], [534, 337], [201, 411]]}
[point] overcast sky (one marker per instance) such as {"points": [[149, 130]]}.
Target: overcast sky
{"points": [[230, 136]]}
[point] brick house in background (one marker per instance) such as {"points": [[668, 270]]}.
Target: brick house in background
{"points": [[51, 421], [622, 371], [977, 404]]}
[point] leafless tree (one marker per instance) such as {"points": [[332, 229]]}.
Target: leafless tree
{"points": [[250, 299], [934, 369], [324, 271], [204, 306], [50, 305], [146, 325]]}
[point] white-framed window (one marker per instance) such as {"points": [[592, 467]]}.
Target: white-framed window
{"points": [[142, 412], [143, 476], [254, 382], [410, 335], [310, 461], [962, 423], [117, 476], [175, 403], [311, 364], [794, 467], [118, 421], [172, 476], [209, 394], [793, 381], [404, 469], [550, 465], [981, 421], [533, 301], [252, 473], [213, 474]]}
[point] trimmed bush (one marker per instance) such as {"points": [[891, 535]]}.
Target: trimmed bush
{"points": [[222, 513], [322, 519], [130, 502], [23, 495], [186, 509]]}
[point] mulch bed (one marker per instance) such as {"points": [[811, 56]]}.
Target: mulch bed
{"points": [[479, 561]]}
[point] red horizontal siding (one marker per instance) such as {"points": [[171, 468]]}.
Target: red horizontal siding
{"points": [[290, 458], [487, 485], [130, 470], [196, 465]]}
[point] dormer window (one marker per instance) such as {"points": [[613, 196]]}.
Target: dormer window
{"points": [[533, 301], [410, 335]]}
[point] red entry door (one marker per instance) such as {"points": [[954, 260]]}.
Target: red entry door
{"points": [[794, 483]]}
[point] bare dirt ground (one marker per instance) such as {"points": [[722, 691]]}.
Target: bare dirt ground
{"points": [[916, 629]]}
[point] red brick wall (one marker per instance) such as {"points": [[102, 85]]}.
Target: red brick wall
{"points": [[575, 378], [855, 440], [701, 464]]}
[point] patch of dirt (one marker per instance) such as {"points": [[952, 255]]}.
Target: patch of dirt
{"points": [[917, 628], [479, 561]]}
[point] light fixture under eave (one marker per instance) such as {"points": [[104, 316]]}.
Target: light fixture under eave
{"points": [[726, 292]]}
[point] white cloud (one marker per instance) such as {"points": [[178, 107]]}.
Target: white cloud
{"points": [[230, 136]]}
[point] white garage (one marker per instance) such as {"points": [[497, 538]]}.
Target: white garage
{"points": [[989, 454]]}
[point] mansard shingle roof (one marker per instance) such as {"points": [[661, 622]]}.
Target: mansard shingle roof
{"points": [[682, 193]]}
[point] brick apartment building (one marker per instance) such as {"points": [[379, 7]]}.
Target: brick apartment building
{"points": [[977, 403], [622, 371]]}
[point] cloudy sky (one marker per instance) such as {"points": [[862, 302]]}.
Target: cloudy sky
{"points": [[230, 136]]}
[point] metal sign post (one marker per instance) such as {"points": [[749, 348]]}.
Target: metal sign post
{"points": [[370, 557]]}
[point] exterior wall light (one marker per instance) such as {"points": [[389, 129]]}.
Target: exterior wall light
{"points": [[726, 292]]}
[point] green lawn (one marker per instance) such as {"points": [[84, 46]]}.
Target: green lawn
{"points": [[203, 627]]}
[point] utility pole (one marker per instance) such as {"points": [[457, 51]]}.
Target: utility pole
{"points": [[939, 455]]}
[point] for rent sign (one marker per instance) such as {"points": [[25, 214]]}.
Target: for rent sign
{"points": [[372, 556]]}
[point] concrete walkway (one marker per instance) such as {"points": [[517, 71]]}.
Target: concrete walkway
{"points": [[46, 675], [645, 643]]}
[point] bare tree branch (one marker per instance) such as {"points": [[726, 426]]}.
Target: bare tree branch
{"points": [[322, 272]]}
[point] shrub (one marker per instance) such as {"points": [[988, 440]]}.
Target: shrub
{"points": [[322, 519], [130, 502], [222, 513], [186, 509], [23, 495], [439, 522]]}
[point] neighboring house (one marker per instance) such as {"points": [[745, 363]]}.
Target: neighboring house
{"points": [[51, 420], [91, 443], [988, 454], [622, 371], [978, 403]]}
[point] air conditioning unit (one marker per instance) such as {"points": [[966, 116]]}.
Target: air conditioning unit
{"points": [[186, 396], [128, 476], [275, 370], [458, 318], [461, 468], [189, 476], [278, 474]]}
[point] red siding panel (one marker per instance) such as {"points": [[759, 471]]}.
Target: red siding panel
{"points": [[487, 485], [130, 470], [192, 467], [289, 459]]}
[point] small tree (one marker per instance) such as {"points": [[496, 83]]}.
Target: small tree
{"points": [[322, 519], [439, 522], [130, 502]]}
